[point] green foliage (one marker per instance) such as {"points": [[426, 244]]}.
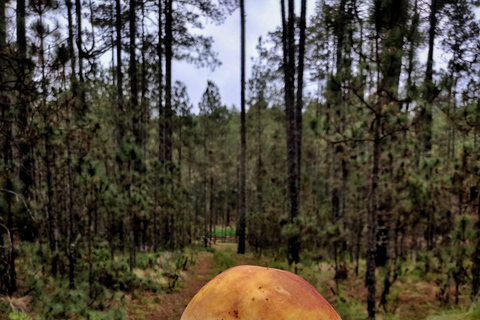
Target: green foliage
{"points": [[224, 260], [349, 310], [15, 315], [472, 313], [282, 265], [207, 249]]}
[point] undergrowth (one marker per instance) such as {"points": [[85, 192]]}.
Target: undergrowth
{"points": [[472, 313], [224, 259], [43, 297]]}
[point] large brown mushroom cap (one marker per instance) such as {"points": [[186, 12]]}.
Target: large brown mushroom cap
{"points": [[258, 293]]}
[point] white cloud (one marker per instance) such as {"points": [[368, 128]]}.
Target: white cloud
{"points": [[262, 16]]}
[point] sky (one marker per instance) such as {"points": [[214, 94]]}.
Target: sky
{"points": [[262, 16]]}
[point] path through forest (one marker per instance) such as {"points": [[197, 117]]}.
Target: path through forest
{"points": [[160, 306]]}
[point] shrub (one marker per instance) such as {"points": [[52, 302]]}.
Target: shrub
{"points": [[15, 315], [224, 260], [349, 310]]}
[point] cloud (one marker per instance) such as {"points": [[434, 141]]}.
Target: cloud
{"points": [[262, 16]]}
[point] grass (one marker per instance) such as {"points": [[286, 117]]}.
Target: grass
{"points": [[472, 313], [224, 259]]}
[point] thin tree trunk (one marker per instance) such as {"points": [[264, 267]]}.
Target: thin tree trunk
{"points": [[25, 172], [205, 207], [132, 221], [260, 211], [288, 39], [71, 217], [476, 260], [299, 102], [161, 118], [89, 243], [81, 93], [429, 78], [133, 73], [168, 79], [118, 26], [8, 274], [243, 143], [143, 103], [51, 215], [372, 223]]}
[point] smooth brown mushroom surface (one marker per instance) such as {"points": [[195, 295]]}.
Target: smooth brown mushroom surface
{"points": [[252, 292]]}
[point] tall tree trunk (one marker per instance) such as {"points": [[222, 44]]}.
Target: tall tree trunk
{"points": [[429, 78], [81, 91], [372, 222], [51, 215], [476, 260], [288, 39], [133, 73], [12, 274], [299, 102], [25, 172], [340, 35], [243, 143], [168, 79], [8, 268], [161, 117], [118, 26], [71, 217], [260, 210], [143, 103], [205, 207], [131, 228]]}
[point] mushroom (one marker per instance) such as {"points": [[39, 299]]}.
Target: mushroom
{"points": [[258, 293]]}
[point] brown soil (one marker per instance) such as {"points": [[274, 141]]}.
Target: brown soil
{"points": [[171, 306]]}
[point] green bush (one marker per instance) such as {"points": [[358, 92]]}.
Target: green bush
{"points": [[208, 249], [282, 265], [15, 315], [349, 310], [224, 260]]}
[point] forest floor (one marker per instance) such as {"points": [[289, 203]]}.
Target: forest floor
{"points": [[412, 298], [157, 306]]}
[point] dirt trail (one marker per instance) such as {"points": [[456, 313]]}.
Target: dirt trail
{"points": [[171, 306]]}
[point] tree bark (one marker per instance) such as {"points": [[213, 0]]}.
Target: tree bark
{"points": [[476, 259], [243, 143], [71, 217], [161, 111], [133, 73], [81, 92], [168, 79], [372, 222], [143, 102], [260, 210], [299, 102], [25, 172], [429, 78], [340, 35], [51, 215], [161, 121], [118, 26], [288, 39]]}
